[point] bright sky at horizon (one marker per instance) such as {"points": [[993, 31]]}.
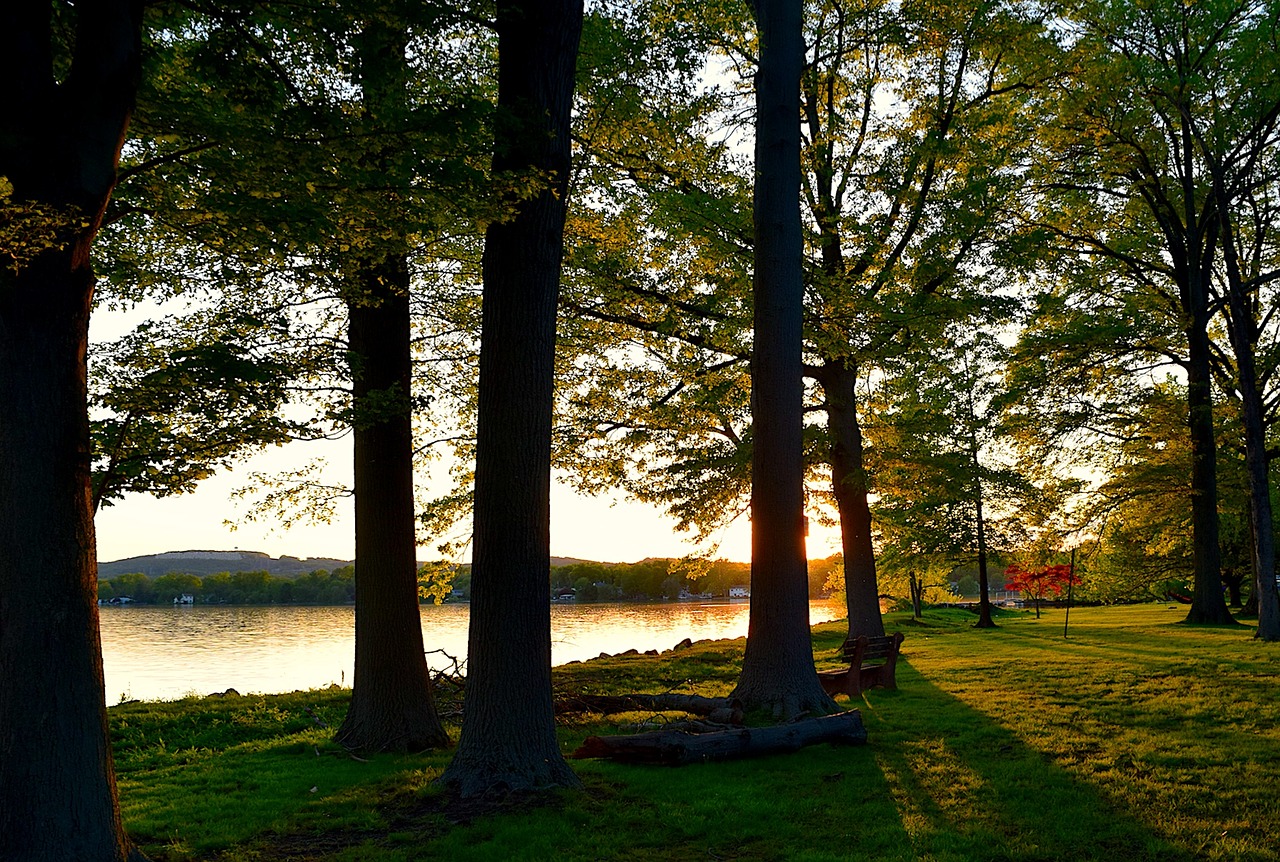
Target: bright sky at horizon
{"points": [[611, 530]]}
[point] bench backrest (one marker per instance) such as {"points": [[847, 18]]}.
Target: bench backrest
{"points": [[872, 648]]}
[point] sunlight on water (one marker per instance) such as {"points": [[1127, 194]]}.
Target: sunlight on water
{"points": [[163, 652]]}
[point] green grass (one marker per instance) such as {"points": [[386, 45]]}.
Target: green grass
{"points": [[1136, 738]]}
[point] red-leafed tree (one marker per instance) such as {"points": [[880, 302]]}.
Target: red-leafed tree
{"points": [[1037, 584]]}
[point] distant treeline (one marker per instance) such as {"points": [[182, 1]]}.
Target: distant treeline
{"points": [[319, 587], [667, 578], [646, 580]]}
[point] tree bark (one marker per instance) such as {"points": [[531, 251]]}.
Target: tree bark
{"points": [[59, 146], [1242, 331], [849, 486], [392, 708], [508, 734], [1207, 602], [777, 671], [678, 748]]}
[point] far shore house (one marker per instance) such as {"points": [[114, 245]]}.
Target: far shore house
{"points": [[185, 599], [739, 592]]}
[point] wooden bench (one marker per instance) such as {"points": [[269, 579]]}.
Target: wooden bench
{"points": [[871, 663]]}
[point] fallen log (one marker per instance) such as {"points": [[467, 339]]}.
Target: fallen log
{"points": [[721, 709], [676, 748]]}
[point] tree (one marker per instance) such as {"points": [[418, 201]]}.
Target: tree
{"points": [[365, 163], [60, 142], [777, 668], [508, 734], [1039, 583], [899, 204], [392, 707], [944, 478], [1129, 187], [1237, 133]]}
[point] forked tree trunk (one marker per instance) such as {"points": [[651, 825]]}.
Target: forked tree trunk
{"points": [[777, 670], [849, 486], [508, 733], [59, 145], [392, 708]]}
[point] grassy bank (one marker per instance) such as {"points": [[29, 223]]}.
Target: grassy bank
{"points": [[1136, 738]]}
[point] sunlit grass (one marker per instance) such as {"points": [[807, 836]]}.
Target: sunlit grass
{"points": [[1134, 738]]}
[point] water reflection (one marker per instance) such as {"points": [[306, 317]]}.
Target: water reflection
{"points": [[163, 652]]}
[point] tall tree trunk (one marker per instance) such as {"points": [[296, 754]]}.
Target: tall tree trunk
{"points": [[777, 670], [849, 486], [508, 733], [984, 581], [1242, 330], [59, 146], [392, 708], [1207, 602]]}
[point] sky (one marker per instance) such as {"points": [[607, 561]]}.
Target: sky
{"points": [[605, 529]]}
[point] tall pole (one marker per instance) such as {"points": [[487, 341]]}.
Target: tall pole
{"points": [[1071, 582]]}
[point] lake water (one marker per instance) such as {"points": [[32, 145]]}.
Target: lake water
{"points": [[164, 652]]}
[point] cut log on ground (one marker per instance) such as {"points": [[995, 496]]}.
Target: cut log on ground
{"points": [[676, 748], [724, 710]]}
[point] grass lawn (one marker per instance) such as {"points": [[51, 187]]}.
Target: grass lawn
{"points": [[1136, 738]]}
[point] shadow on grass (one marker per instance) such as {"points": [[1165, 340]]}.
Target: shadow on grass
{"points": [[966, 787]]}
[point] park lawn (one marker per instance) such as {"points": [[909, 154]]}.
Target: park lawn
{"points": [[1134, 738]]}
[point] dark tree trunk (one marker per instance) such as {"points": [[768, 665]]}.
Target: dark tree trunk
{"points": [[508, 735], [849, 486], [984, 581], [1242, 330], [392, 708], [777, 671], [59, 145], [1207, 602], [391, 704]]}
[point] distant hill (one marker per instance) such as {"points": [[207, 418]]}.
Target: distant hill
{"points": [[205, 563]]}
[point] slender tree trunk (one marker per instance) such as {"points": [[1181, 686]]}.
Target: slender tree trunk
{"points": [[392, 708], [777, 671], [1207, 602], [984, 581], [849, 486], [1242, 331], [508, 733], [59, 146]]}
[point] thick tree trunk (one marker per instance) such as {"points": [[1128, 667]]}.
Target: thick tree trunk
{"points": [[678, 748], [57, 783], [508, 733], [849, 486], [777, 671], [59, 146], [1207, 602], [392, 708]]}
